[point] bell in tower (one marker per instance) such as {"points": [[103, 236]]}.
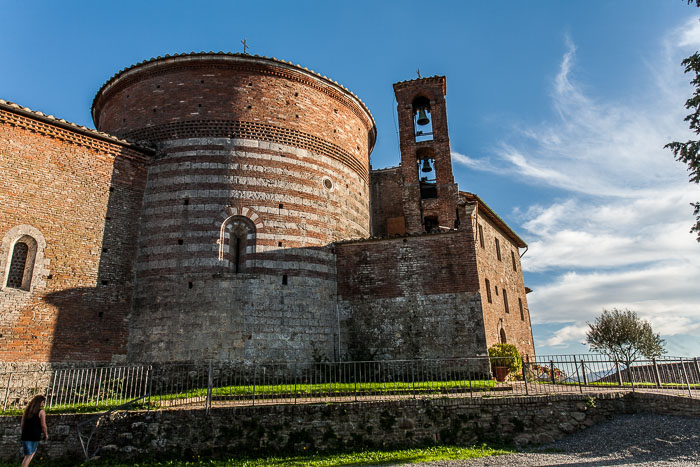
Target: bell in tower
{"points": [[422, 117], [429, 193]]}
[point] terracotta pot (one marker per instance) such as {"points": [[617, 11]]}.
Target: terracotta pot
{"points": [[501, 373]]}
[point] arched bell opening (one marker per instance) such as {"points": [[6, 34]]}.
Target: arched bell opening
{"points": [[426, 172], [422, 119]]}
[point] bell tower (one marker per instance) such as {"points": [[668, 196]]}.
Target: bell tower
{"points": [[429, 194]]}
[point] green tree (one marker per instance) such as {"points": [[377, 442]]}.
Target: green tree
{"points": [[689, 152], [623, 336]]}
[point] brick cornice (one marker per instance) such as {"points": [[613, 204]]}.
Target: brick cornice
{"points": [[22, 117], [431, 80], [250, 130]]}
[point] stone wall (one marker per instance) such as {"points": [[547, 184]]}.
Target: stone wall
{"points": [[266, 430], [78, 195], [296, 202], [410, 297], [253, 317]]}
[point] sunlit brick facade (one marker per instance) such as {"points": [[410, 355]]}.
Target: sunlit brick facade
{"points": [[225, 209]]}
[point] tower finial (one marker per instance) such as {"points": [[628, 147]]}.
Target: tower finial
{"points": [[419, 76], [245, 46]]}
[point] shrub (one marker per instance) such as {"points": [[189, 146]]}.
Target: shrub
{"points": [[506, 355], [544, 373]]}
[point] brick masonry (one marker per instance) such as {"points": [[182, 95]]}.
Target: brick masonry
{"points": [[78, 197], [503, 275], [387, 203], [266, 430], [229, 227], [411, 297], [250, 139]]}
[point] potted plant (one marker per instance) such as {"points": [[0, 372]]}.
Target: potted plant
{"points": [[505, 359]]}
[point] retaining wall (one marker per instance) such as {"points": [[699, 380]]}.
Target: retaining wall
{"points": [[266, 430]]}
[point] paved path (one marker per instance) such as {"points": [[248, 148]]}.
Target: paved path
{"points": [[629, 440]]}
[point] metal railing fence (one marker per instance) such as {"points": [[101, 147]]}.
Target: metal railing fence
{"points": [[205, 385]]}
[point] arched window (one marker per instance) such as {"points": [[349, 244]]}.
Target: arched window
{"points": [[503, 336], [237, 242], [21, 264]]}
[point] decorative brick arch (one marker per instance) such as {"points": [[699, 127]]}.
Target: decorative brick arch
{"points": [[34, 268], [242, 224]]}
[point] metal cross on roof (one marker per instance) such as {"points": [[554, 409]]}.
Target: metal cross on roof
{"points": [[245, 46], [419, 76]]}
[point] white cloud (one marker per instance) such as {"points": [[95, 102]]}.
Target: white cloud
{"points": [[611, 234], [619, 235], [469, 162], [565, 336], [689, 34], [604, 148], [665, 293]]}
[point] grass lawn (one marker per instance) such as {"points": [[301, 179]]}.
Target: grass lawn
{"points": [[404, 456], [275, 391]]}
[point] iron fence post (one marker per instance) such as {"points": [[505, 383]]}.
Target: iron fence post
{"points": [[7, 392], [210, 384], [583, 373], [149, 381], [630, 372], [578, 376], [469, 375], [295, 383], [99, 386], [551, 370], [685, 375], [255, 377], [697, 369], [619, 375], [413, 379], [657, 376], [53, 387], [354, 377], [522, 361]]}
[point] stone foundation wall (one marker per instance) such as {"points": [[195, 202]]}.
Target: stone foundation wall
{"points": [[267, 430], [233, 317]]}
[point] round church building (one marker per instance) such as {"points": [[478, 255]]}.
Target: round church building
{"points": [[260, 166]]}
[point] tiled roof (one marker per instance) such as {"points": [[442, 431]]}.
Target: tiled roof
{"points": [[491, 214], [16, 108], [386, 168]]}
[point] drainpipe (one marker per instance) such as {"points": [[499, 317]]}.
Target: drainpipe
{"points": [[337, 314]]}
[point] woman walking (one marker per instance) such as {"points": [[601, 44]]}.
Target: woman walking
{"points": [[33, 424]]}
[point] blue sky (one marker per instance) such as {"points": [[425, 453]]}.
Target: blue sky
{"points": [[558, 113]]}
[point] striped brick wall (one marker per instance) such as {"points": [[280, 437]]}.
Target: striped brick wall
{"points": [[260, 167], [298, 202]]}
